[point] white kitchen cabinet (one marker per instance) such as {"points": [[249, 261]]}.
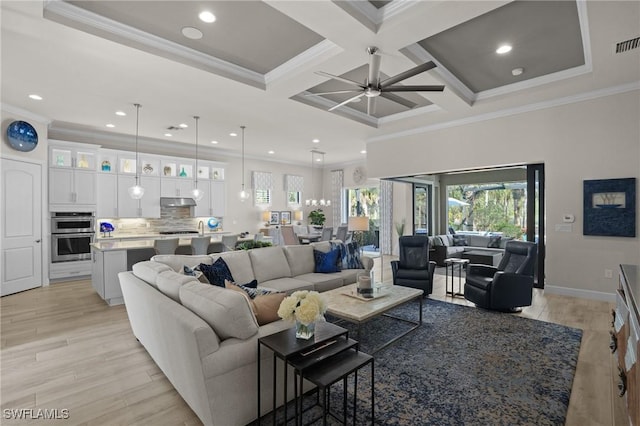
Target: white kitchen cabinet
{"points": [[148, 206], [176, 187], [203, 207], [69, 186], [107, 203], [72, 155], [218, 198], [104, 274]]}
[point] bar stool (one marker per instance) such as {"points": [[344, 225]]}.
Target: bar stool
{"points": [[199, 245], [229, 242], [167, 246]]}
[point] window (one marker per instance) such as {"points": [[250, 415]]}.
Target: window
{"points": [[263, 196], [365, 202]]}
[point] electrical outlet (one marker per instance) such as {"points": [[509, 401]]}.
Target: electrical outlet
{"points": [[608, 273]]}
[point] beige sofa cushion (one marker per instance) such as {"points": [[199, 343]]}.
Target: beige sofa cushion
{"points": [[287, 285], [169, 283], [300, 259], [178, 261], [226, 311], [148, 271], [239, 264], [268, 263], [324, 282]]}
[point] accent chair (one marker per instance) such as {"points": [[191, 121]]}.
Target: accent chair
{"points": [[414, 269]]}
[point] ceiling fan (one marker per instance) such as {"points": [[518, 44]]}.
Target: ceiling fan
{"points": [[373, 87]]}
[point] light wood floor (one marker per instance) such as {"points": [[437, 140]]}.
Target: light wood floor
{"points": [[64, 348]]}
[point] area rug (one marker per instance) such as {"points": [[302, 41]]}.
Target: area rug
{"points": [[464, 366]]}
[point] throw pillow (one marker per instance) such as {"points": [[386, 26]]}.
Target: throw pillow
{"points": [[250, 288], [326, 262], [459, 240], [217, 273], [494, 241], [351, 256], [195, 272], [339, 246], [265, 307]]}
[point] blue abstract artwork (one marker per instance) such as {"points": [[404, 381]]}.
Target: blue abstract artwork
{"points": [[22, 136], [610, 207]]}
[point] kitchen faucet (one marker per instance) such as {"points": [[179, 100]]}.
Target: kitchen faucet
{"points": [[201, 224]]}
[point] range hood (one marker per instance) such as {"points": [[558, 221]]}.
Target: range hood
{"points": [[177, 202]]}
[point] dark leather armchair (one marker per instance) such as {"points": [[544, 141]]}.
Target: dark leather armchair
{"points": [[508, 286], [414, 268]]}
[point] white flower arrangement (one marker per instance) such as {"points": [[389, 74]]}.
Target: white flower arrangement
{"points": [[303, 306]]}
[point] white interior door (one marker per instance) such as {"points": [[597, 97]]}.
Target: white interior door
{"points": [[21, 231]]}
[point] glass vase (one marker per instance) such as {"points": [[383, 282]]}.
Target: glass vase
{"points": [[305, 331]]}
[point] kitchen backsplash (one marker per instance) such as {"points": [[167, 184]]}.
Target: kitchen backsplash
{"points": [[171, 219]]}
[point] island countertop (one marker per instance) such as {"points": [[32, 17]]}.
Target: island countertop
{"points": [[146, 241]]}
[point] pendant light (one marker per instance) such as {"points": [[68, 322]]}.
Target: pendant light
{"points": [[312, 201], [323, 202], [196, 193], [243, 195], [136, 192]]}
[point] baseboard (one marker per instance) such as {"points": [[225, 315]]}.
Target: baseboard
{"points": [[582, 294]]}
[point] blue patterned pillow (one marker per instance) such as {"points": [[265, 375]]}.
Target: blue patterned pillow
{"points": [[351, 256], [340, 246], [460, 240], [327, 262], [253, 292], [217, 273]]}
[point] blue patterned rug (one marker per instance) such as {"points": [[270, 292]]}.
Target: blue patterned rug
{"points": [[464, 366]]}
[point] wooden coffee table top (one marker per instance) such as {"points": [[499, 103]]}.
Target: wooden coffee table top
{"points": [[342, 304]]}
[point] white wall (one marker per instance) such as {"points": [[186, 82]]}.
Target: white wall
{"points": [[592, 139]]}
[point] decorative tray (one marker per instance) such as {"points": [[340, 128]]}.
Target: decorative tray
{"points": [[377, 294]]}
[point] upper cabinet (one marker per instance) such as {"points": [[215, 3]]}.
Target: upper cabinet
{"points": [[72, 176]]}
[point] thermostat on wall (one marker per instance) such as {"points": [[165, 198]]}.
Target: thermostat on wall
{"points": [[568, 218]]}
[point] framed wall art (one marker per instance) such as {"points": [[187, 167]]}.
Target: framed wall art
{"points": [[285, 218], [275, 218], [610, 207]]}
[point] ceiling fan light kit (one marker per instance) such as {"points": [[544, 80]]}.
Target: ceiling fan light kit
{"points": [[373, 87]]}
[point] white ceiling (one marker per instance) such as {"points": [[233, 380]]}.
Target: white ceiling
{"points": [[256, 61]]}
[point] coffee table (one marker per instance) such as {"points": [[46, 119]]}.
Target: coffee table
{"points": [[483, 257], [343, 304]]}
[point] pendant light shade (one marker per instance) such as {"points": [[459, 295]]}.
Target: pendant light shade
{"points": [[137, 192], [243, 195], [196, 193]]}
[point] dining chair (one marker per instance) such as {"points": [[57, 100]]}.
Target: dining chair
{"points": [[229, 242], [327, 234], [341, 233], [288, 236], [199, 245], [166, 246]]}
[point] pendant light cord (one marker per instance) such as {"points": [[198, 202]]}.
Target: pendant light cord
{"points": [[137, 128], [243, 127], [195, 174]]}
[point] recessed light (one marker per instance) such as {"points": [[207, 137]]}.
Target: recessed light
{"points": [[168, 135], [364, 151], [110, 125], [316, 141], [517, 71], [192, 33], [184, 126], [318, 160], [233, 134], [504, 48], [207, 17], [121, 113], [271, 152], [214, 142], [35, 97]]}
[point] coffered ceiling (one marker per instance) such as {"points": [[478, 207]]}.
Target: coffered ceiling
{"points": [[256, 66]]}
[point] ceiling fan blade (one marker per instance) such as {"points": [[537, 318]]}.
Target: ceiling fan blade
{"points": [[346, 102], [371, 105], [409, 73], [398, 99], [332, 93], [420, 88], [344, 80], [374, 70]]}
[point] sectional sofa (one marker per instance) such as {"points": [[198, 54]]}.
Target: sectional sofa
{"points": [[448, 245], [204, 337]]}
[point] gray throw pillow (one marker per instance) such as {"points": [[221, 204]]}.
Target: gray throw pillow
{"points": [[460, 240]]}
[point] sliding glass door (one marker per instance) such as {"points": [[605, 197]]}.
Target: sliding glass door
{"points": [[423, 209], [535, 217]]}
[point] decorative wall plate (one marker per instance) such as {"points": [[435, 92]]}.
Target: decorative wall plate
{"points": [[22, 136]]}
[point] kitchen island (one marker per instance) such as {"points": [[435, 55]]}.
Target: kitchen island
{"points": [[112, 255]]}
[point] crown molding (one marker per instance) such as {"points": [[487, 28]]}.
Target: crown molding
{"points": [[595, 94], [294, 65], [26, 114]]}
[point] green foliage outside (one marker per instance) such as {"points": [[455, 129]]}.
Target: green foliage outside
{"points": [[248, 245], [489, 210]]}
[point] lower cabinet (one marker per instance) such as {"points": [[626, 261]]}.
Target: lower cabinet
{"points": [[104, 274]]}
